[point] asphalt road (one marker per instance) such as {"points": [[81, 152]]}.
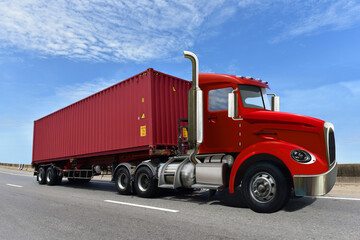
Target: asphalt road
{"points": [[95, 211]]}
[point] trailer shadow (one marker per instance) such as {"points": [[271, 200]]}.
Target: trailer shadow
{"points": [[95, 185]]}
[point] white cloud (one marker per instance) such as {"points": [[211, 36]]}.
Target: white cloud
{"points": [[103, 30], [319, 16], [72, 93]]}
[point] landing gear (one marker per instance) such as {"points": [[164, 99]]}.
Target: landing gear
{"points": [[265, 188]]}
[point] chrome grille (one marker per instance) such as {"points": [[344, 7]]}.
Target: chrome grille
{"points": [[330, 143]]}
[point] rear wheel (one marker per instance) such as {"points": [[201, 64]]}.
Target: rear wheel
{"points": [[41, 176], [51, 176], [145, 183], [123, 181], [265, 188]]}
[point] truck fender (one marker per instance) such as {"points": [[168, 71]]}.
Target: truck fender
{"points": [[151, 165], [282, 152], [127, 165]]}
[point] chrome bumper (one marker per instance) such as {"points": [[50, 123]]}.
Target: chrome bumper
{"points": [[315, 185]]}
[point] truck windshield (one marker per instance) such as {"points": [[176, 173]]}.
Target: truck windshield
{"points": [[254, 97]]}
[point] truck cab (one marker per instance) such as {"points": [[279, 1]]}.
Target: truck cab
{"points": [[300, 148]]}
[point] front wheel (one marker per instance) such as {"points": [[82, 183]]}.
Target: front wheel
{"points": [[145, 183], [265, 188]]}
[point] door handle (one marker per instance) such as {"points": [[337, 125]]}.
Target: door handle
{"points": [[212, 119]]}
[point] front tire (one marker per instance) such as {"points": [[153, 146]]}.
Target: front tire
{"points": [[145, 183], [265, 188], [123, 181]]}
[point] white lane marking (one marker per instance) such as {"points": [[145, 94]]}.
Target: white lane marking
{"points": [[13, 185], [143, 206], [340, 198], [16, 174]]}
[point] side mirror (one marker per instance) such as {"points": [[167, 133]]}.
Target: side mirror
{"points": [[232, 105], [275, 103]]}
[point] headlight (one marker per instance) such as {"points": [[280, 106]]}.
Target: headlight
{"points": [[302, 156]]}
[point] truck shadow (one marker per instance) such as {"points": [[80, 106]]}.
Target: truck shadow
{"points": [[201, 197], [224, 198]]}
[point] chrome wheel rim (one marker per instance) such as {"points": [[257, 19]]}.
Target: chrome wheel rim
{"points": [[143, 182], [48, 176], [40, 175], [262, 187], [122, 181]]}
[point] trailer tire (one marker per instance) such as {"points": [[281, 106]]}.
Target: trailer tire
{"points": [[51, 176], [265, 188], [41, 176], [123, 181], [145, 183]]}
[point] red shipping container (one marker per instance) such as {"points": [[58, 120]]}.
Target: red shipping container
{"points": [[133, 115]]}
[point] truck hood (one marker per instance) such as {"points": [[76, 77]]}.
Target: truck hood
{"points": [[264, 116]]}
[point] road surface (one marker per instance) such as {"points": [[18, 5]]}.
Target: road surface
{"points": [[96, 211]]}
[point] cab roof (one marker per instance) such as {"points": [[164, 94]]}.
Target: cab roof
{"points": [[215, 78]]}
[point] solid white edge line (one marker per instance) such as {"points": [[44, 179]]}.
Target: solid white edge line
{"points": [[13, 185], [339, 198], [142, 206]]}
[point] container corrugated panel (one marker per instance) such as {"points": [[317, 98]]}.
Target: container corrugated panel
{"points": [[133, 115]]}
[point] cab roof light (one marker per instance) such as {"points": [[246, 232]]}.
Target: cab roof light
{"points": [[251, 78]]}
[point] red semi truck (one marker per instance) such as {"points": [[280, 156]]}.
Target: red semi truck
{"points": [[157, 131]]}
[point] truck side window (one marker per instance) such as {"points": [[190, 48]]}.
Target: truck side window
{"points": [[218, 99]]}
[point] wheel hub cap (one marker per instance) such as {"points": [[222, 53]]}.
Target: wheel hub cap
{"points": [[262, 187]]}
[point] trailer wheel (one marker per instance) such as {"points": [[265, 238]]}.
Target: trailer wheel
{"points": [[41, 176], [265, 188], [51, 176], [145, 183], [123, 181]]}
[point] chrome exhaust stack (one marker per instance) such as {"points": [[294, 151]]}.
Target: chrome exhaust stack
{"points": [[195, 109]]}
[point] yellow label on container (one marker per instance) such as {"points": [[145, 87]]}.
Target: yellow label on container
{"points": [[142, 131], [143, 116], [185, 133], [142, 99], [174, 90]]}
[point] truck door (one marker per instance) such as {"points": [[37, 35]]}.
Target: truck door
{"points": [[220, 131]]}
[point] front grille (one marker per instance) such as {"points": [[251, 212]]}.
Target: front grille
{"points": [[330, 143], [331, 146]]}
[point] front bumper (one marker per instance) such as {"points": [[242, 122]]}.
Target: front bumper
{"points": [[315, 185]]}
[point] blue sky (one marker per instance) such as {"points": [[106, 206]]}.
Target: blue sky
{"points": [[53, 53]]}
